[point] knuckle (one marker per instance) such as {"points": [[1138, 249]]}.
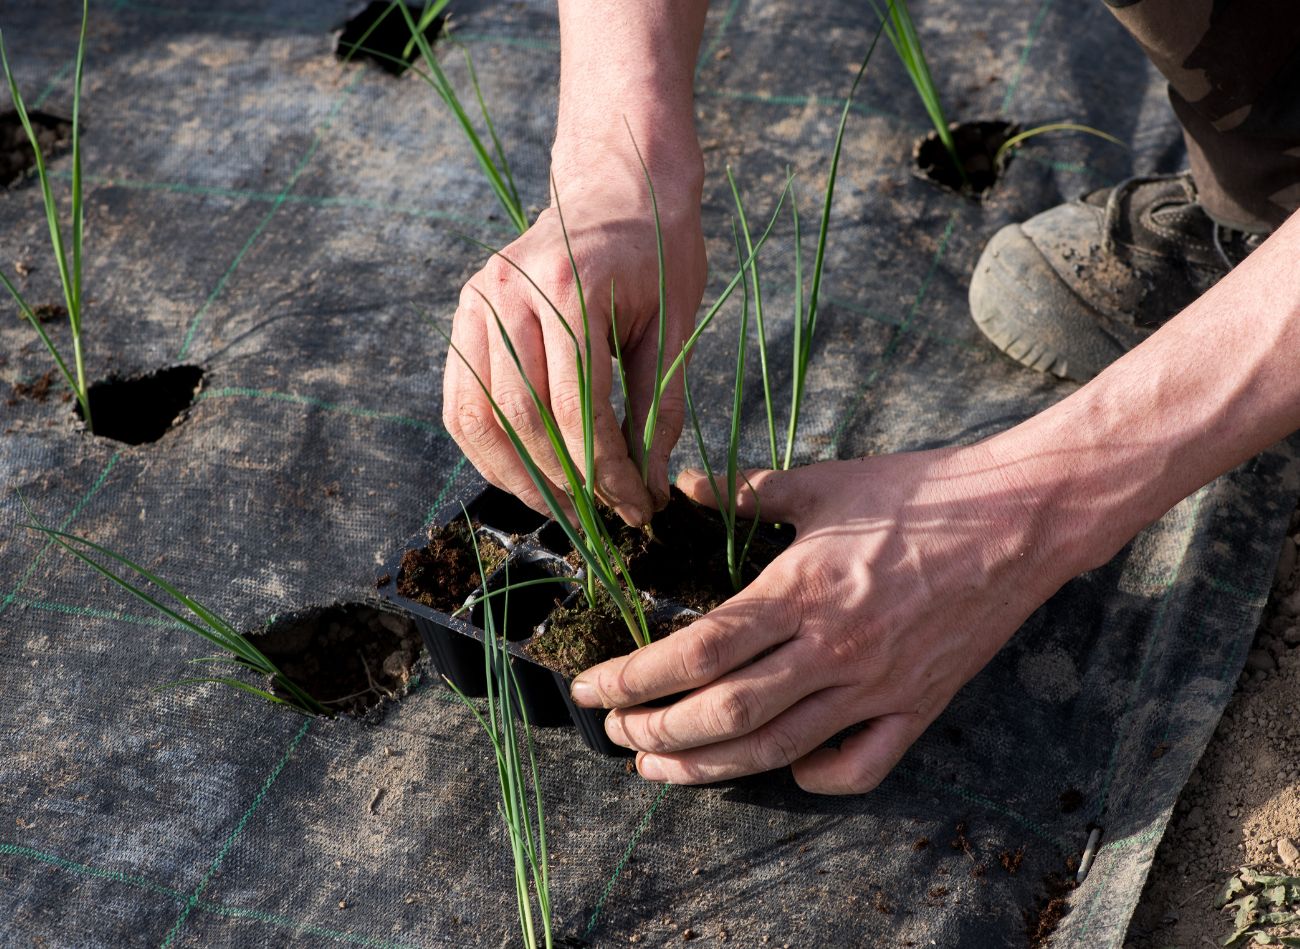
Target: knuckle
{"points": [[496, 272], [652, 736], [733, 712], [517, 409], [865, 775], [775, 747], [470, 421], [566, 406], [702, 658]]}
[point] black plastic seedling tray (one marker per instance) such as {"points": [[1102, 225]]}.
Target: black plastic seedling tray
{"points": [[535, 548]]}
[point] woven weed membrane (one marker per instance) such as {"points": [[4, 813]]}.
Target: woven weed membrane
{"points": [[287, 223]]}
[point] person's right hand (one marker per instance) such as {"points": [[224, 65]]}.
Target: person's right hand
{"points": [[610, 222]]}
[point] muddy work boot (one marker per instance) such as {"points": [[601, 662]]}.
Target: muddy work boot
{"points": [[1072, 289]]}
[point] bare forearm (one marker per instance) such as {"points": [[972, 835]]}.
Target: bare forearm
{"points": [[1216, 385], [629, 61]]}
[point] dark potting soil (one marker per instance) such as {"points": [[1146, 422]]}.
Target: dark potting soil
{"points": [[445, 571], [680, 558], [140, 409], [682, 555], [386, 36], [977, 143], [578, 637], [349, 658], [16, 155]]}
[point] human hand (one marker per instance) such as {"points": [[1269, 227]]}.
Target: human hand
{"points": [[908, 572], [611, 230]]}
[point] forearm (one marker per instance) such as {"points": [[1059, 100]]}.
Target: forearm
{"points": [[633, 62], [1215, 386]]}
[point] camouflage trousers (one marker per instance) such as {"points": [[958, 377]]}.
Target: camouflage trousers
{"points": [[1234, 81]]}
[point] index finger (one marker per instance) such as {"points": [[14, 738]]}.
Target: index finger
{"points": [[725, 639], [618, 482]]}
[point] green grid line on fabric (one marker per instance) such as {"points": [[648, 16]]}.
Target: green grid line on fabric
{"points": [[203, 906], [711, 48], [317, 138], [627, 855], [883, 320], [316, 201], [972, 797], [1031, 38], [72, 515], [357, 411], [849, 411], [234, 834]]}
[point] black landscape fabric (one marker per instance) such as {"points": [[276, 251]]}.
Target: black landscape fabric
{"points": [[287, 223]]}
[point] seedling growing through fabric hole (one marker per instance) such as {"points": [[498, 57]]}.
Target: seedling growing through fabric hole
{"points": [[805, 312], [67, 252], [736, 558], [1005, 150], [492, 161], [522, 813], [898, 26], [374, 30], [192, 615]]}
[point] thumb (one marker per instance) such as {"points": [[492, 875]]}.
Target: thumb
{"points": [[778, 496]]}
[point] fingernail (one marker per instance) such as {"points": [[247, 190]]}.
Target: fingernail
{"points": [[632, 514], [691, 473], [650, 768], [614, 730], [584, 693]]}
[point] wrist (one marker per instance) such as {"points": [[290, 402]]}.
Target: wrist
{"points": [[605, 149]]}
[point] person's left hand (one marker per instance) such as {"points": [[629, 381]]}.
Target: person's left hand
{"points": [[907, 574]]}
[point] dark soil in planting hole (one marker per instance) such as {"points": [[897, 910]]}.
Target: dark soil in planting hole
{"points": [[389, 35], [349, 658], [140, 409], [16, 156], [977, 144], [445, 571]]}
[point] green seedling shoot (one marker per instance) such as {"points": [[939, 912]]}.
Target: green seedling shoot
{"points": [[805, 312], [236, 648], [506, 725], [67, 251], [898, 26], [492, 161], [1005, 149], [736, 557]]}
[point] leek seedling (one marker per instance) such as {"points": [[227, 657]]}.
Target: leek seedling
{"points": [[492, 162], [805, 316], [1004, 150], [521, 813], [589, 534], [727, 505], [200, 620], [898, 26], [67, 253]]}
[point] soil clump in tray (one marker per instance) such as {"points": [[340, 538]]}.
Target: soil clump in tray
{"points": [[444, 572], [578, 637], [349, 658], [682, 555], [681, 558]]}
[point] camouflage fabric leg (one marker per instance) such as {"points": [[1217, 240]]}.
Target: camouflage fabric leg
{"points": [[1234, 82]]}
